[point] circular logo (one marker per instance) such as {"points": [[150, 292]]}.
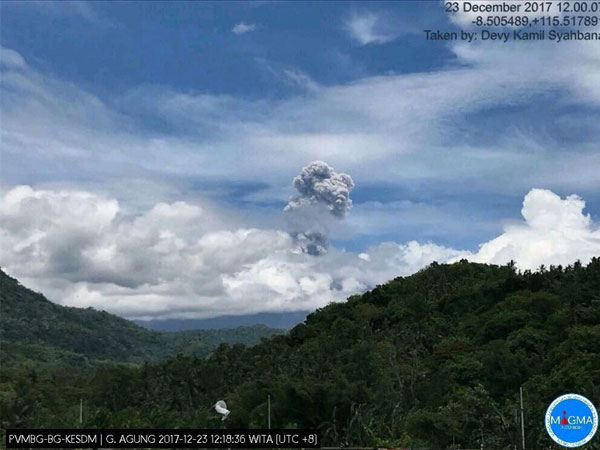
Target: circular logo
{"points": [[571, 420]]}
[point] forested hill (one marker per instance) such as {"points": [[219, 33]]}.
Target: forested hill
{"points": [[34, 329], [434, 360]]}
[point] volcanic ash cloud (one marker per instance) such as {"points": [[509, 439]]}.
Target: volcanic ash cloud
{"points": [[323, 199]]}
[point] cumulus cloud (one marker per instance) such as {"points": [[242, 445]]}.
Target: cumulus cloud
{"points": [[369, 28], [323, 194], [177, 259], [82, 249], [555, 231], [243, 27]]}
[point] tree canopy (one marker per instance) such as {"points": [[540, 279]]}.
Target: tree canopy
{"points": [[432, 360]]}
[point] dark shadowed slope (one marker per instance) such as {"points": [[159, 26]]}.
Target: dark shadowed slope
{"points": [[33, 328]]}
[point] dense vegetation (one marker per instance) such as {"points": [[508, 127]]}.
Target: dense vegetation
{"points": [[432, 360], [35, 330]]}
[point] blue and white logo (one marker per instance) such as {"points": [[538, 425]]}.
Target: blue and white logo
{"points": [[571, 420]]}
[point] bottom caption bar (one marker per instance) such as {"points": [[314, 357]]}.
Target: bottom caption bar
{"points": [[150, 438]]}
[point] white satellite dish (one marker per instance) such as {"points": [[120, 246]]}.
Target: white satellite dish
{"points": [[221, 408]]}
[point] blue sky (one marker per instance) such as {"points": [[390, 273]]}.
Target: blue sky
{"points": [[108, 46], [219, 105]]}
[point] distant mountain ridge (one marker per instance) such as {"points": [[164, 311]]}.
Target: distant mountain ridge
{"points": [[34, 328], [283, 320]]}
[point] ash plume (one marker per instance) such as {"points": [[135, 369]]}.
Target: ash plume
{"points": [[323, 198]]}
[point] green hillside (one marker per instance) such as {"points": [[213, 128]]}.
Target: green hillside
{"points": [[35, 330], [434, 360]]}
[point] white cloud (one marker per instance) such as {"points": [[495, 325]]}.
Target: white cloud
{"points": [[176, 261], [369, 28], [11, 59], [411, 130], [555, 231], [408, 129], [243, 27], [301, 79]]}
